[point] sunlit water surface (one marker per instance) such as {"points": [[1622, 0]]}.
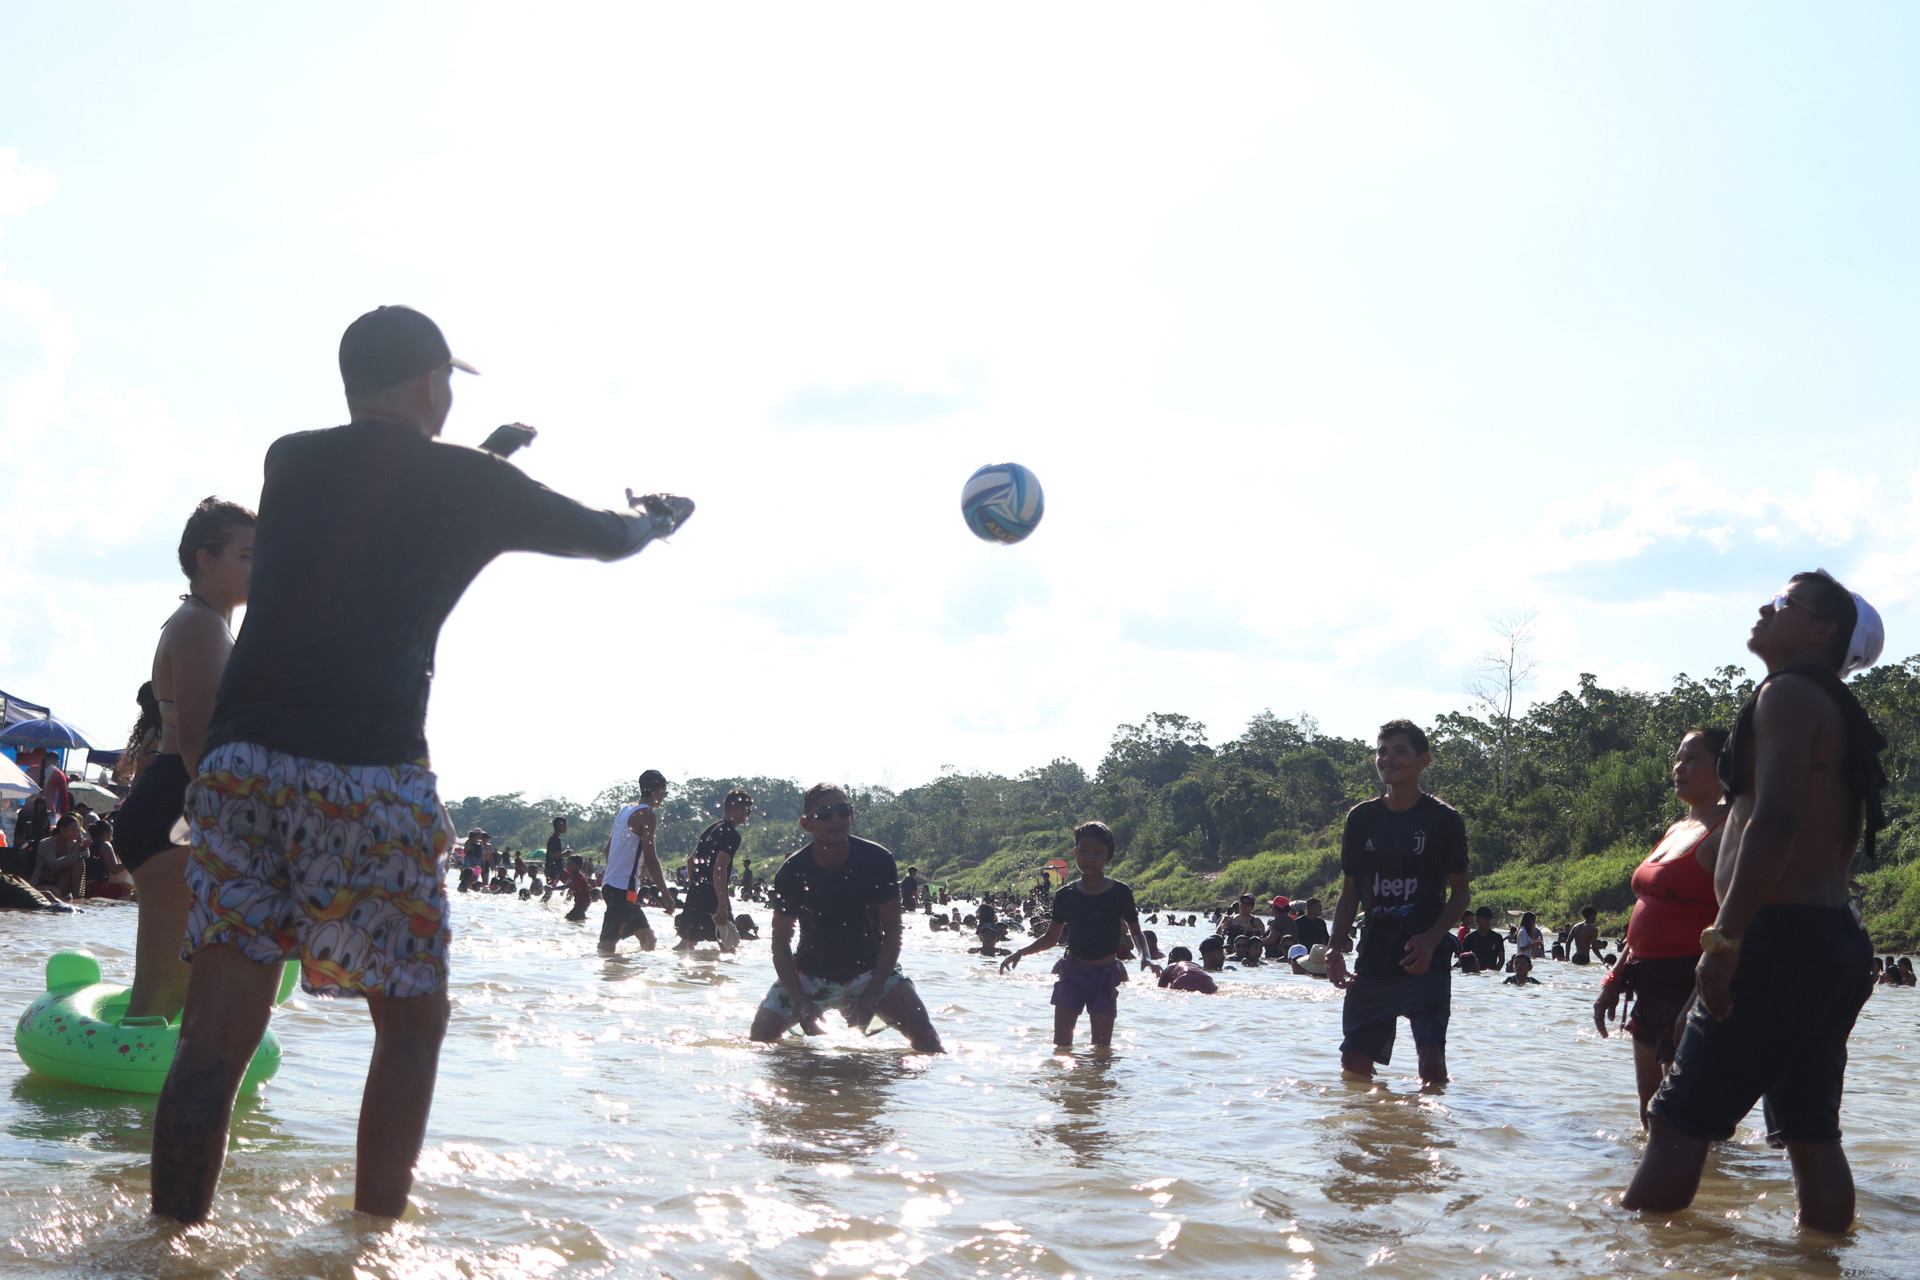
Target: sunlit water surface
{"points": [[609, 1117]]}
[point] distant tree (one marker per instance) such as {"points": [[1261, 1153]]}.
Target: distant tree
{"points": [[1498, 678]]}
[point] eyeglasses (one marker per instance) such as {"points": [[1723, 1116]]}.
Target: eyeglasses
{"points": [[827, 812]]}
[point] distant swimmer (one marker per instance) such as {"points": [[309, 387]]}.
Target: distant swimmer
{"points": [[844, 895], [1403, 860], [579, 886], [1182, 974], [1784, 968], [1585, 936], [1090, 914], [631, 863], [708, 905], [316, 828], [216, 555], [557, 850]]}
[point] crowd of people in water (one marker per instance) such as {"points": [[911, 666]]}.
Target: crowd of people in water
{"points": [[282, 806]]}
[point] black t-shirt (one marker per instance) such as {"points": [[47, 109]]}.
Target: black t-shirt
{"points": [[838, 910], [1094, 920], [720, 838], [556, 853], [909, 891], [1489, 948], [368, 535], [1311, 931], [1401, 862]]}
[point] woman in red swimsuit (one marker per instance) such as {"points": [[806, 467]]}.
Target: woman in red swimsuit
{"points": [[1673, 891]]}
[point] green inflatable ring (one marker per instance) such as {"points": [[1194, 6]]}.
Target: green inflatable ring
{"points": [[78, 1032]]}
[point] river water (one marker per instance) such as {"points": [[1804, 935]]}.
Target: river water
{"points": [[609, 1117]]}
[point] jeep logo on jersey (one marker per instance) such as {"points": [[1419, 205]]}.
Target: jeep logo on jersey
{"points": [[1400, 887]]}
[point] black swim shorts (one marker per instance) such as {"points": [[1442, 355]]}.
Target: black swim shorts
{"points": [[1804, 973], [143, 825], [622, 919], [1375, 1004]]}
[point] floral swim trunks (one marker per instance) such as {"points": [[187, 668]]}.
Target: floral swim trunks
{"points": [[338, 864]]}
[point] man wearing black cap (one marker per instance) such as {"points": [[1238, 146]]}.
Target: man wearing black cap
{"points": [[316, 828]]}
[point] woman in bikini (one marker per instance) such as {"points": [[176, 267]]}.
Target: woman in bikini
{"points": [[1673, 892], [216, 554]]}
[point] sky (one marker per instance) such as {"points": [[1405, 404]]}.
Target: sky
{"points": [[1332, 332]]}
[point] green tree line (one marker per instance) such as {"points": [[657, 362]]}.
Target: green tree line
{"points": [[1561, 803]]}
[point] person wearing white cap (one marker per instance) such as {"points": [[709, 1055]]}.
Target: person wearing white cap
{"points": [[1784, 968]]}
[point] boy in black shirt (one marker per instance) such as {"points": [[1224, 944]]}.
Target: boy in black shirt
{"points": [[1488, 948], [707, 873], [1089, 914], [1404, 860], [844, 893]]}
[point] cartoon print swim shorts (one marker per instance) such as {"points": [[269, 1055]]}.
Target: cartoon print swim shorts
{"points": [[340, 865]]}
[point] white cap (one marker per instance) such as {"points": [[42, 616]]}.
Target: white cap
{"points": [[1869, 637]]}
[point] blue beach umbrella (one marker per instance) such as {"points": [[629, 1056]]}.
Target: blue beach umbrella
{"points": [[48, 732]]}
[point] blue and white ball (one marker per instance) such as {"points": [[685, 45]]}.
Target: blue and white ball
{"points": [[1002, 502]]}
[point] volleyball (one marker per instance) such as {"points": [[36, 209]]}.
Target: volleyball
{"points": [[1002, 502]]}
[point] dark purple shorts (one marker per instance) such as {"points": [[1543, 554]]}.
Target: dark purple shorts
{"points": [[1093, 987]]}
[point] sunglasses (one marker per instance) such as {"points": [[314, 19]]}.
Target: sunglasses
{"points": [[1783, 601], [827, 812]]}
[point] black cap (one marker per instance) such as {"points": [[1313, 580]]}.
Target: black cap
{"points": [[390, 345]]}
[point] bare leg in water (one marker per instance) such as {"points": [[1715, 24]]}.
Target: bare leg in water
{"points": [[228, 1000], [159, 974]]}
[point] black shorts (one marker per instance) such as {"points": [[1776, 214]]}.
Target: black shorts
{"points": [[143, 825], [1661, 988], [623, 919], [1374, 1005], [695, 924], [1804, 973]]}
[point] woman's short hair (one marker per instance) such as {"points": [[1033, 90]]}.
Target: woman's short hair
{"points": [[210, 528]]}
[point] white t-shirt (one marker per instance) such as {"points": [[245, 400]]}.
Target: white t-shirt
{"points": [[1528, 943], [623, 853]]}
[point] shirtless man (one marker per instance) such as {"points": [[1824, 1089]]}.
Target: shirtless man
{"points": [[1784, 969], [1585, 935], [630, 853]]}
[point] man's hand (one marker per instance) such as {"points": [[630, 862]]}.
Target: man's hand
{"points": [[1711, 977], [721, 917], [1008, 964], [810, 1019], [1605, 1006], [861, 1010], [1419, 956], [667, 510], [1337, 970], [506, 439]]}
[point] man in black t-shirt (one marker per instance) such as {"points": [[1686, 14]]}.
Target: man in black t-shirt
{"points": [[844, 893], [368, 535], [1310, 930], [1403, 860], [910, 889], [708, 902], [1483, 944]]}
